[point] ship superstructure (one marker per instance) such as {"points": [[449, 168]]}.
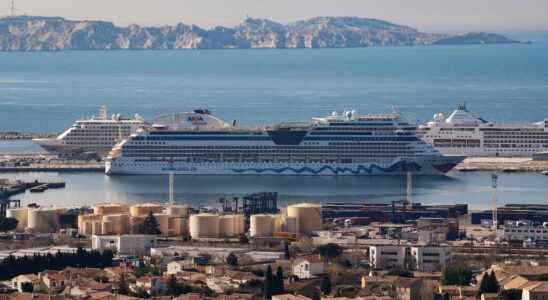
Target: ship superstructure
{"points": [[93, 136], [340, 144], [463, 133]]}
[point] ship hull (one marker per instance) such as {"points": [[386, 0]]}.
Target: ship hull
{"points": [[437, 165]]}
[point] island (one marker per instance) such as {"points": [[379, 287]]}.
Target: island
{"points": [[36, 33]]}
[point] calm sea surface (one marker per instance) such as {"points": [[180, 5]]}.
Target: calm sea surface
{"points": [[46, 92]]}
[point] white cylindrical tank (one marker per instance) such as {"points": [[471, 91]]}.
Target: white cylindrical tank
{"points": [[178, 210], [309, 216], [204, 226], [279, 221], [163, 221], [226, 226], [291, 225], [261, 225], [110, 209], [43, 220], [22, 216], [145, 209]]}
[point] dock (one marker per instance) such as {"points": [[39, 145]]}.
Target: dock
{"points": [[58, 167], [502, 164]]}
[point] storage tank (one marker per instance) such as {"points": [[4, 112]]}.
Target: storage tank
{"points": [[43, 220], [239, 224], [178, 210], [145, 209], [204, 226], [261, 225], [279, 221], [134, 222], [110, 209], [291, 224], [177, 226], [309, 216], [163, 221], [227, 226], [22, 216], [118, 224]]}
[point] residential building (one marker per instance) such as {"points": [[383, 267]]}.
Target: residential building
{"points": [[20, 281], [308, 267], [127, 244], [430, 258], [537, 291], [387, 256]]}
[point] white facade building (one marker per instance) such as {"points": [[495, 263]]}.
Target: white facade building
{"points": [[127, 244], [430, 258], [387, 256], [308, 267]]}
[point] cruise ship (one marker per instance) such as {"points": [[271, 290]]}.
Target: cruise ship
{"points": [[463, 133], [340, 144], [92, 137]]}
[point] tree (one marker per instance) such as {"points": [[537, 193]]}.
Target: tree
{"points": [[232, 259], [243, 239], [27, 287], [8, 224], [173, 287], [456, 275], [511, 294], [489, 284], [123, 286], [278, 285], [325, 285], [149, 226], [330, 251], [268, 283]]}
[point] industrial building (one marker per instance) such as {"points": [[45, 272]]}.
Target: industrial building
{"points": [[127, 244], [537, 213], [396, 212], [525, 231]]}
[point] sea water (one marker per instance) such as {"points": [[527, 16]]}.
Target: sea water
{"points": [[47, 91]]}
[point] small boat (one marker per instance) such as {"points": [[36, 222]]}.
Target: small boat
{"points": [[545, 173], [56, 185], [39, 189]]}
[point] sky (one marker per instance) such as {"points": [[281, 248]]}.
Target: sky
{"points": [[433, 15]]}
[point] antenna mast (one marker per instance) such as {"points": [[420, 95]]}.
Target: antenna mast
{"points": [[12, 10]]}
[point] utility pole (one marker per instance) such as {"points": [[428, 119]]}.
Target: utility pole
{"points": [[494, 184], [409, 190], [171, 189], [12, 10]]}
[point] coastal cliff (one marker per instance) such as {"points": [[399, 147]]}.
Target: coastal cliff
{"points": [[33, 33]]}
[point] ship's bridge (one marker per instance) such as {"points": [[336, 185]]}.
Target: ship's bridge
{"points": [[196, 120], [461, 117]]}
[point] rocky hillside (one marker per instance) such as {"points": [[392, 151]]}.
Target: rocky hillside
{"points": [[28, 33]]}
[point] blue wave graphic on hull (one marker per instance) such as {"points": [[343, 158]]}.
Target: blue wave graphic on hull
{"points": [[399, 166]]}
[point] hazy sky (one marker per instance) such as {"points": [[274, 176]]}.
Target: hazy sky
{"points": [[423, 14]]}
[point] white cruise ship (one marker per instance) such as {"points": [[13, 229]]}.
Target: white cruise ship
{"points": [[463, 133], [93, 136], [340, 144]]}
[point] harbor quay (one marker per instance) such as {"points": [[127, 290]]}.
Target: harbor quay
{"points": [[246, 243]]}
